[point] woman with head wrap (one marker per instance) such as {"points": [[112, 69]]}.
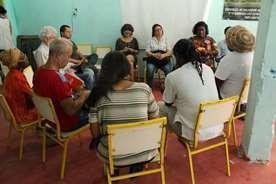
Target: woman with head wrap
{"points": [[16, 88]]}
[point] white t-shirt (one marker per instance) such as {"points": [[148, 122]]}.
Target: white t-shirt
{"points": [[184, 88], [222, 48], [41, 54], [5, 34], [155, 45], [233, 69]]}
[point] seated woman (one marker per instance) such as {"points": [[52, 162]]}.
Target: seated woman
{"points": [[158, 54], [112, 100], [16, 88], [185, 88], [204, 44], [128, 45]]}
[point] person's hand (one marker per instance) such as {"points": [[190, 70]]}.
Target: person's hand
{"points": [[126, 49], [85, 93], [80, 88], [162, 56], [84, 60], [158, 56]]}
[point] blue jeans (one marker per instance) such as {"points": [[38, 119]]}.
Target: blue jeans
{"points": [[151, 68], [87, 75]]}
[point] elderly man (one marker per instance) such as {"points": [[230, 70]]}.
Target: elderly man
{"points": [[236, 65], [49, 82], [47, 35]]}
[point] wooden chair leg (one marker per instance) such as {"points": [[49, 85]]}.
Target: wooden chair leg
{"points": [[234, 133], [227, 158], [63, 161], [190, 163], [163, 181], [108, 176], [21, 147]]}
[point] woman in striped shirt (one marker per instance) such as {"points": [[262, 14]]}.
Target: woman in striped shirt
{"points": [[116, 99]]}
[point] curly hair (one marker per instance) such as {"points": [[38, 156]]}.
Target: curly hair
{"points": [[200, 24], [126, 27]]}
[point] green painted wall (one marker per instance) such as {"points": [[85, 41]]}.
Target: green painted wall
{"points": [[8, 4], [97, 21], [217, 24], [261, 114]]}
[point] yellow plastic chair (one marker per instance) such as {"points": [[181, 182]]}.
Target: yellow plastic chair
{"points": [[238, 114], [211, 114], [47, 111], [29, 74], [148, 135], [18, 127]]}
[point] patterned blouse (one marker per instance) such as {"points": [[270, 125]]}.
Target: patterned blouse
{"points": [[207, 49]]}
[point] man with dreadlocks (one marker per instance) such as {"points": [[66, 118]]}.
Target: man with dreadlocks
{"points": [[185, 88]]}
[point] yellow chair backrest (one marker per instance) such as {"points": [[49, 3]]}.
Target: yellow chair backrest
{"points": [[7, 111], [215, 113], [46, 109], [135, 137], [129, 138], [29, 74], [244, 92], [101, 51], [85, 48]]}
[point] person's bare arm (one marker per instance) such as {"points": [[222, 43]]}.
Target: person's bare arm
{"points": [[75, 61], [71, 106], [167, 54]]}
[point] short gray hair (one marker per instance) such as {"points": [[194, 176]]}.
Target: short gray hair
{"points": [[47, 31], [59, 46]]}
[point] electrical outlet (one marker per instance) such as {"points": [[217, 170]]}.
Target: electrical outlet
{"points": [[75, 11]]}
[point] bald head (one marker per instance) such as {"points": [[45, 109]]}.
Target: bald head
{"points": [[60, 52], [59, 46]]}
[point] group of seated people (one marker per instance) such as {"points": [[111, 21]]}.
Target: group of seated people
{"points": [[115, 97]]}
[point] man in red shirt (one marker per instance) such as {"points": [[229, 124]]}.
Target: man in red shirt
{"points": [[49, 82]]}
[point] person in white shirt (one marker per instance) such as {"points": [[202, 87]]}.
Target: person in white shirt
{"points": [[185, 88], [158, 53], [47, 35], [5, 35], [222, 47], [5, 31], [236, 66]]}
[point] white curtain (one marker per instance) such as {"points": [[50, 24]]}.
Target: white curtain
{"points": [[176, 16]]}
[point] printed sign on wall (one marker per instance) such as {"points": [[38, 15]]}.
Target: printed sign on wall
{"points": [[242, 9]]}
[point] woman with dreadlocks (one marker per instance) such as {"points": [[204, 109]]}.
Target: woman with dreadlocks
{"points": [[185, 88]]}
